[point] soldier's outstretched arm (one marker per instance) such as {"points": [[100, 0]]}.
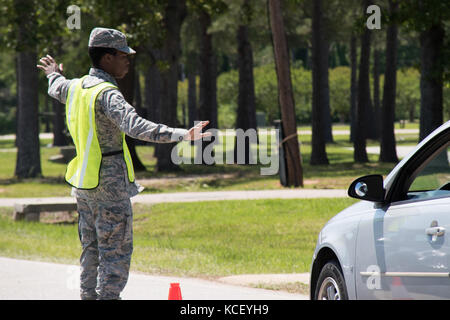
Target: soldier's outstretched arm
{"points": [[122, 114]]}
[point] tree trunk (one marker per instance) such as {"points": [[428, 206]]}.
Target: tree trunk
{"points": [[286, 98], [320, 87], [59, 119], [137, 95], [208, 81], [376, 95], [28, 162], [153, 89], [59, 138], [363, 101], [431, 79], [246, 112], [175, 13], [388, 152], [192, 99], [126, 87], [353, 86], [153, 93]]}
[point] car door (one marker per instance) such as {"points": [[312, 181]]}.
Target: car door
{"points": [[403, 249]]}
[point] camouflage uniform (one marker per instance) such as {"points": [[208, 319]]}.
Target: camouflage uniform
{"points": [[105, 213]]}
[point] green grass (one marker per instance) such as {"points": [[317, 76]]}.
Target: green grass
{"points": [[203, 239]]}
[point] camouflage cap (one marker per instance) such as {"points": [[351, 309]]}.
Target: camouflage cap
{"points": [[109, 38]]}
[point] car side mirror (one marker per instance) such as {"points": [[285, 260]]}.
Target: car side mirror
{"points": [[368, 188]]}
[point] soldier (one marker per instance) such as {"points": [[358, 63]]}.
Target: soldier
{"points": [[102, 175]]}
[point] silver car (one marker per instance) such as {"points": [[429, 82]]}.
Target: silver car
{"points": [[394, 244]]}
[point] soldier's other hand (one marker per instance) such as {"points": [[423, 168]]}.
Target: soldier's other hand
{"points": [[49, 65], [195, 132]]}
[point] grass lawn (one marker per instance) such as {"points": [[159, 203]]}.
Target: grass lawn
{"points": [[201, 239]]}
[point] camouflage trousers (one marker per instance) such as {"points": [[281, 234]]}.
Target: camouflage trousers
{"points": [[106, 235]]}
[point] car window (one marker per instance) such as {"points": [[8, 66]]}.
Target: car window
{"points": [[433, 180]]}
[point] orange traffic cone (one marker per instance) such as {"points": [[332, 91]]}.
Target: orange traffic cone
{"points": [[175, 292]]}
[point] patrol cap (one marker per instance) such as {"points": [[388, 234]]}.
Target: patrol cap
{"points": [[109, 38]]}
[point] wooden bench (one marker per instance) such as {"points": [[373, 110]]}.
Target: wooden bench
{"points": [[30, 210]]}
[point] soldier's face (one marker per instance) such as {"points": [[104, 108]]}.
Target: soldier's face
{"points": [[119, 64]]}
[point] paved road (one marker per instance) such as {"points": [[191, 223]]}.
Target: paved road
{"points": [[206, 196], [32, 280]]}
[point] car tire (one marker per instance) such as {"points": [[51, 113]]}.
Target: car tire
{"points": [[331, 283]]}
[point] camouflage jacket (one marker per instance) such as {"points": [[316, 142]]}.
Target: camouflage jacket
{"points": [[113, 115]]}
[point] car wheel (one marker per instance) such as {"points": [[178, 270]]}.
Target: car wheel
{"points": [[331, 283]]}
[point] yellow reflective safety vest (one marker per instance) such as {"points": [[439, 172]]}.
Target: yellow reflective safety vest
{"points": [[83, 171]]}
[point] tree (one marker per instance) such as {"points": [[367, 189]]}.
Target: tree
{"points": [[190, 59], [353, 85], [431, 79], [320, 86], [28, 163], [428, 19], [388, 152], [152, 93], [59, 121], [26, 27], [174, 14], [285, 95], [246, 112], [363, 101], [376, 113], [208, 76]]}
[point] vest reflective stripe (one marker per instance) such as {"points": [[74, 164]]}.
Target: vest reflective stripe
{"points": [[84, 170]]}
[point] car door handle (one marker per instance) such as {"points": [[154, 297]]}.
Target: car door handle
{"points": [[435, 232]]}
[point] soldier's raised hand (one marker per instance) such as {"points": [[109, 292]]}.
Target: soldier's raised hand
{"points": [[195, 132], [49, 65]]}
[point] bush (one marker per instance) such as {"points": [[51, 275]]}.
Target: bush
{"points": [[407, 103]]}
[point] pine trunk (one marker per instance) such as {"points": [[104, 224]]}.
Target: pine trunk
{"points": [[174, 15], [363, 101], [320, 87], [286, 98], [246, 112], [431, 83], [28, 161], [208, 82], [388, 152]]}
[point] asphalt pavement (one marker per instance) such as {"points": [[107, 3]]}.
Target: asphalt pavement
{"points": [[33, 280]]}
